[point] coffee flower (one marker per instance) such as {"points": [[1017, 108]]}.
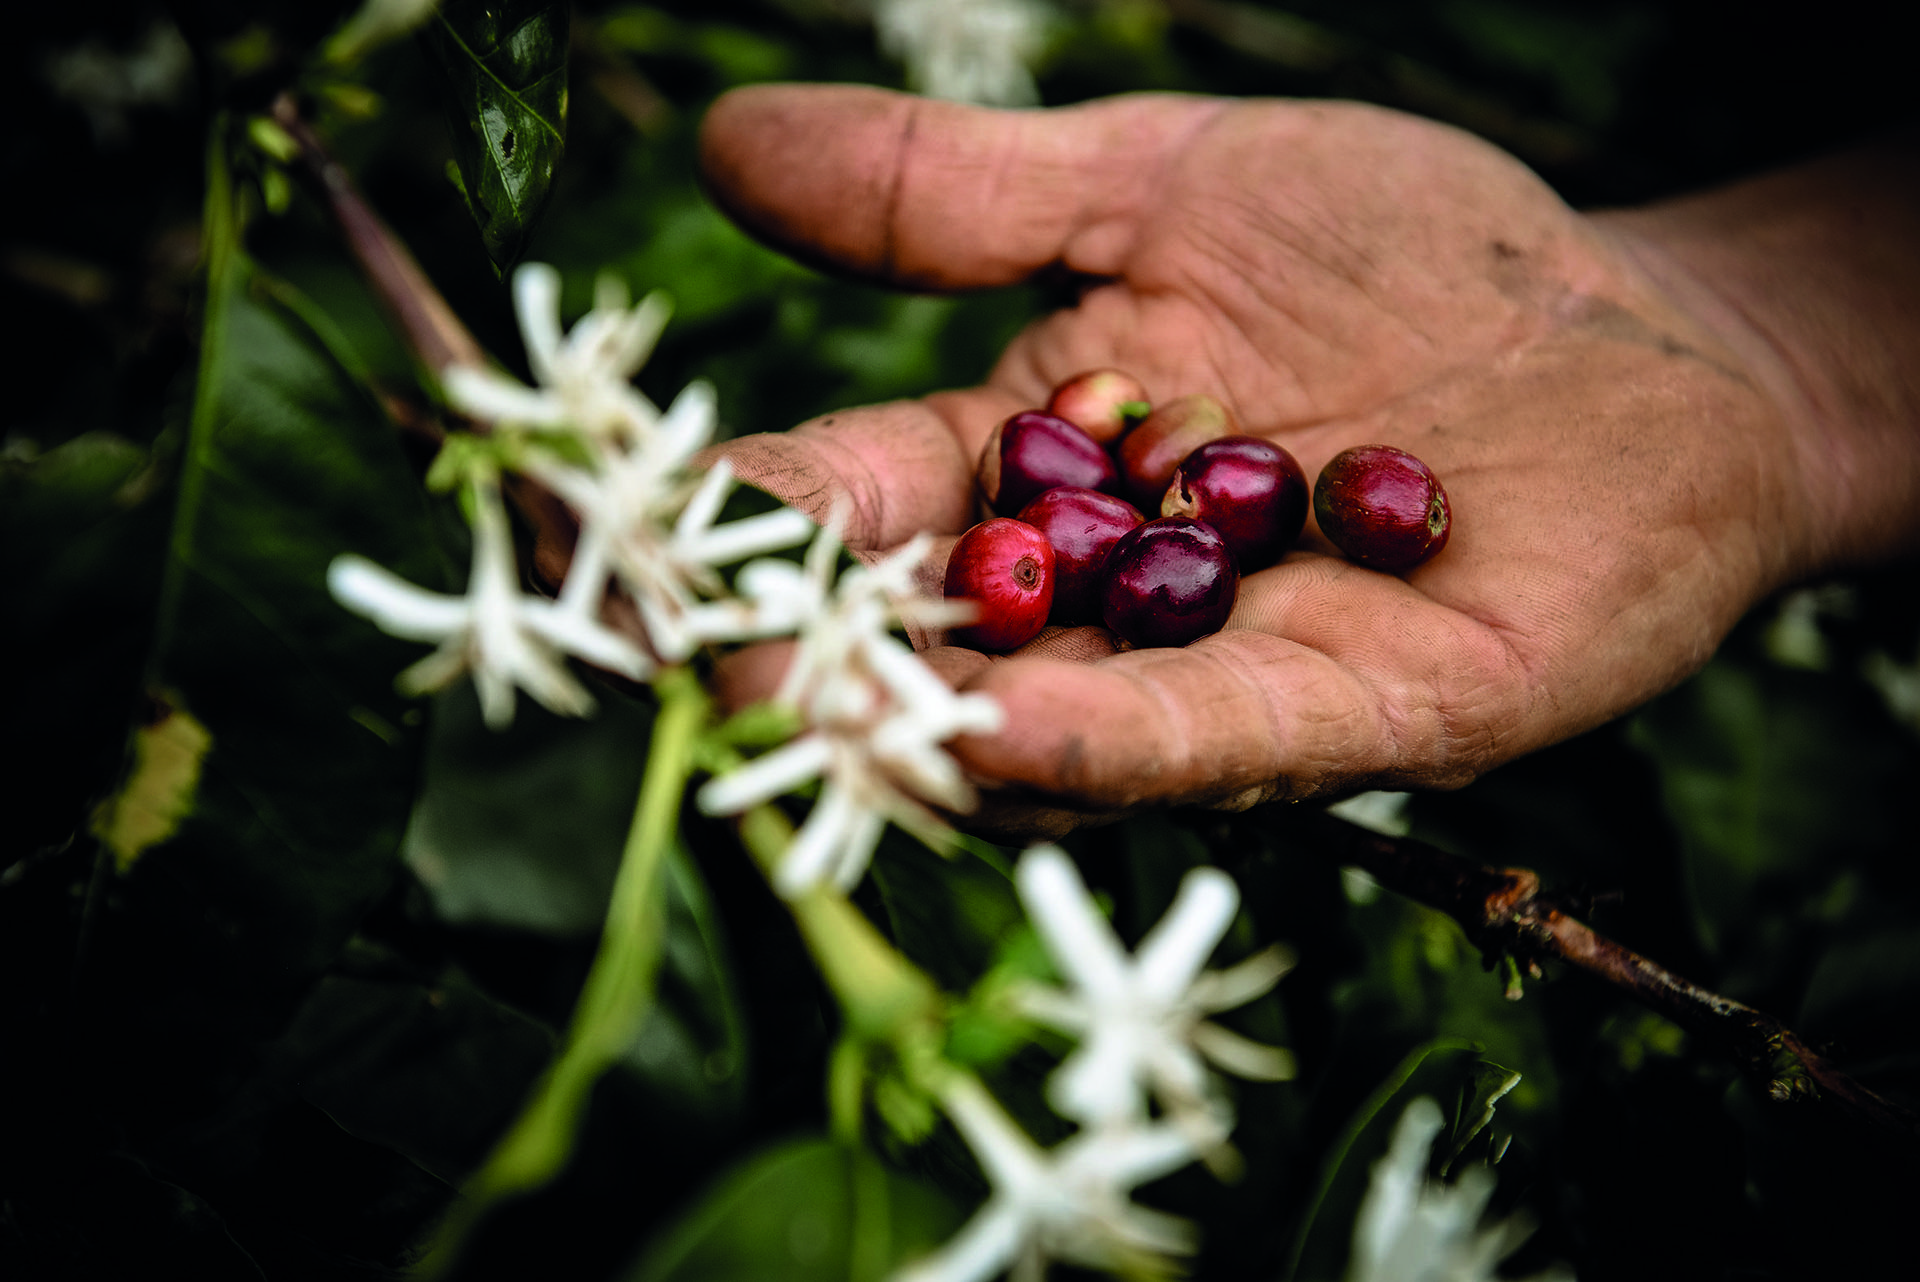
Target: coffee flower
{"points": [[1141, 1017], [584, 376], [504, 637], [874, 716], [626, 472], [1069, 1203], [648, 520], [1414, 1229]]}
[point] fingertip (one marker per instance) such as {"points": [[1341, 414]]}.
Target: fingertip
{"points": [[941, 195], [808, 168]]}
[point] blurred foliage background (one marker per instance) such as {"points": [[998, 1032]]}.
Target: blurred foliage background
{"points": [[274, 1045]]}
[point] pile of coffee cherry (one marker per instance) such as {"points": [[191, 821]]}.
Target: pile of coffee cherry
{"points": [[1070, 544]]}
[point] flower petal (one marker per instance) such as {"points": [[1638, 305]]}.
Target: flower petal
{"points": [[1242, 982], [394, 605], [1242, 1056], [981, 1250], [1098, 1084], [536, 304], [750, 536], [574, 632], [495, 398], [1179, 943], [773, 774], [835, 817], [1080, 940]]}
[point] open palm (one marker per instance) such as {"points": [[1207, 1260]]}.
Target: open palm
{"points": [[1622, 486]]}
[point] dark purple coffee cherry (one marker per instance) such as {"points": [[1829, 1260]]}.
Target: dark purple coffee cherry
{"points": [[1033, 452], [1083, 525], [1383, 507], [1249, 489], [1169, 582], [1005, 567]]}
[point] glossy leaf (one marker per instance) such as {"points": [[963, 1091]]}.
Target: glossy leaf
{"points": [[420, 1062], [506, 97], [304, 789], [82, 541], [950, 916], [1774, 778], [521, 830]]}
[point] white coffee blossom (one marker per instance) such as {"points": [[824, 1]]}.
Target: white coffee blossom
{"points": [[646, 517], [500, 634], [1070, 1203], [1415, 1229], [648, 520], [966, 50], [1140, 1018], [874, 716], [584, 376], [625, 469]]}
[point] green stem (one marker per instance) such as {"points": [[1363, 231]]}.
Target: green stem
{"points": [[619, 991], [885, 997], [220, 244]]}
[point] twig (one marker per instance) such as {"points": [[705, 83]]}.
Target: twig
{"points": [[436, 335], [1508, 916], [434, 332]]}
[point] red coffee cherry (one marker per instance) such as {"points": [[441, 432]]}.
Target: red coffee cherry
{"points": [[1383, 507], [1005, 567], [1082, 525], [1169, 582], [1249, 489]]}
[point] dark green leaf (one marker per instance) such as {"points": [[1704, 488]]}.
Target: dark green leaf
{"points": [[304, 789], [506, 68], [522, 829], [159, 1229], [949, 915], [1864, 996], [1777, 781], [82, 540], [426, 1065], [805, 1210]]}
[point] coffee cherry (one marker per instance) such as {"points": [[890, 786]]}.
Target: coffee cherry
{"points": [[1149, 453], [1082, 525], [1103, 403], [1169, 582], [1383, 507], [1032, 452], [1005, 567], [1250, 490]]}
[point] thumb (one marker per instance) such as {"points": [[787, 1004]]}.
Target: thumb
{"points": [[936, 195]]}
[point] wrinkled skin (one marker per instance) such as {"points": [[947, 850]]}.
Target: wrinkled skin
{"points": [[1632, 463]]}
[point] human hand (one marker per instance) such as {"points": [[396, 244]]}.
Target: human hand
{"points": [[1628, 471]]}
